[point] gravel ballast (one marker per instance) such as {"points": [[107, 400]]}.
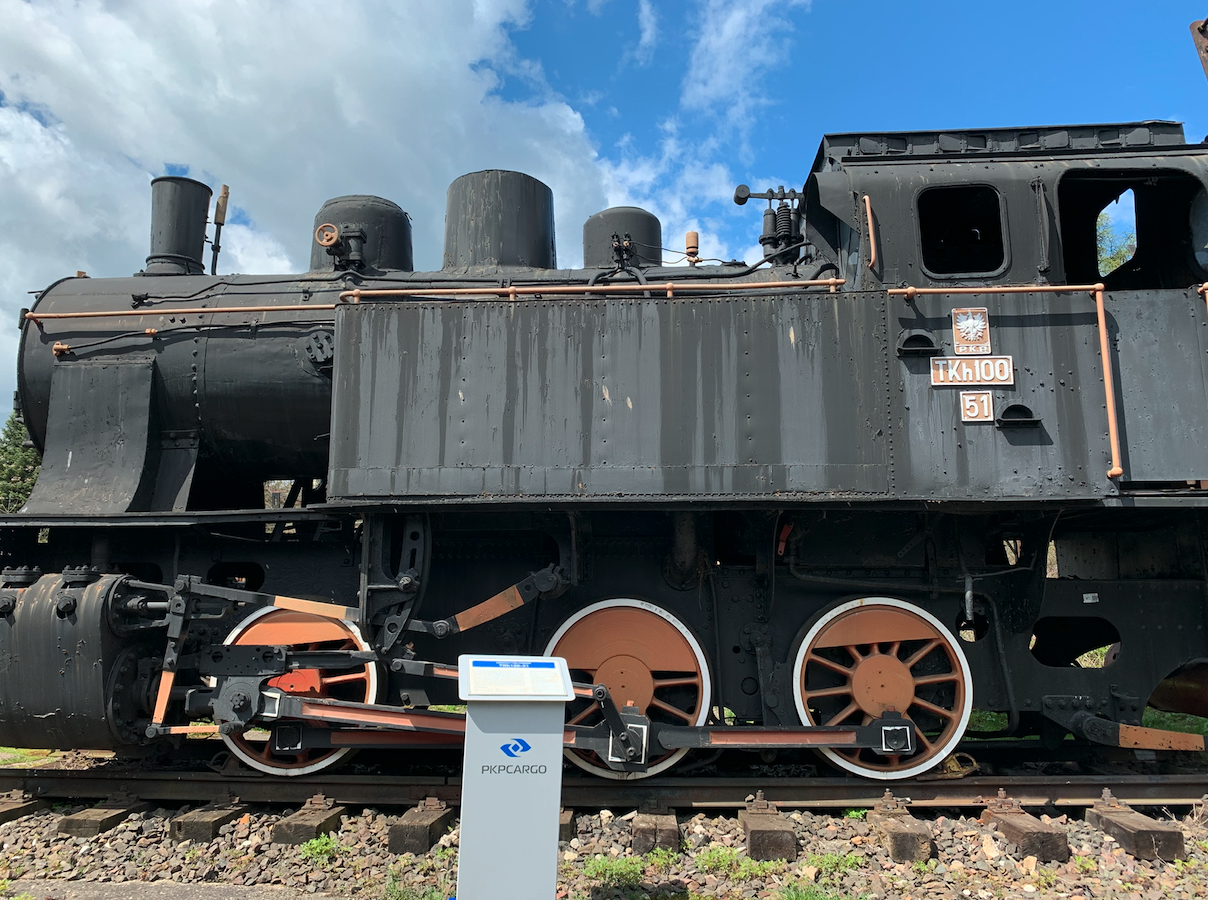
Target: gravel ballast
{"points": [[839, 857]]}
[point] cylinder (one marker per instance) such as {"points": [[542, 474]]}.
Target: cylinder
{"points": [[499, 218], [179, 210], [643, 228], [386, 226]]}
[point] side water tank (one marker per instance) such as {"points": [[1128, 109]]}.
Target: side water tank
{"points": [[499, 218], [387, 232], [642, 227]]}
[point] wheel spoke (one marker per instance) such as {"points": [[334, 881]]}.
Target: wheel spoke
{"points": [[668, 708], [894, 648], [583, 716], [918, 732], [349, 678], [912, 660], [842, 690], [942, 678], [843, 714], [679, 680], [829, 664], [854, 650], [935, 710]]}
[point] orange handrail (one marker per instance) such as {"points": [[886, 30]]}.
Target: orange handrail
{"points": [[872, 234], [1096, 290]]}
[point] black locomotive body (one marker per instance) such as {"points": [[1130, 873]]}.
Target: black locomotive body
{"points": [[919, 460]]}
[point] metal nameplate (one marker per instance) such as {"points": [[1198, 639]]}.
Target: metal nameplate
{"points": [[977, 406], [947, 371], [971, 331]]}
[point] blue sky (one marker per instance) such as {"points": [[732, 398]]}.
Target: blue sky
{"points": [[666, 104]]}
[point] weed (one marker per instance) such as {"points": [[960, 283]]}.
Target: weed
{"points": [[920, 867], [855, 814], [661, 858], [806, 892], [321, 849], [620, 871], [1084, 864], [4, 883], [397, 891], [1045, 879], [193, 853], [831, 866], [728, 861]]}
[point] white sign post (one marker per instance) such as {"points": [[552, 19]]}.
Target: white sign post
{"points": [[511, 789]]}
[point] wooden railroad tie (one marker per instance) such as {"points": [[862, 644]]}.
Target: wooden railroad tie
{"points": [[656, 831], [906, 838], [1143, 837], [319, 816], [769, 834], [105, 815], [16, 804], [1033, 837], [204, 823], [421, 827]]}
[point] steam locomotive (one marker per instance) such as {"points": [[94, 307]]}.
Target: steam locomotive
{"points": [[920, 458]]}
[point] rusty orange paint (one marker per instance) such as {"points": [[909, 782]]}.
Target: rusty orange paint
{"points": [[316, 608], [1156, 739], [161, 698], [872, 625], [501, 603]]}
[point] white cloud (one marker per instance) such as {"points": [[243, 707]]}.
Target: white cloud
{"points": [[648, 32], [740, 43], [689, 184], [288, 105]]}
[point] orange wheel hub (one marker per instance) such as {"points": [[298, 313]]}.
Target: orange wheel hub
{"points": [[647, 658], [870, 657]]}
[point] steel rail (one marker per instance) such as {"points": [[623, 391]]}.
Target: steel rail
{"points": [[666, 792]]}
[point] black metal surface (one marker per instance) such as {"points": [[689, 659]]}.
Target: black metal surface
{"points": [[179, 210], [642, 227], [499, 218], [387, 241]]}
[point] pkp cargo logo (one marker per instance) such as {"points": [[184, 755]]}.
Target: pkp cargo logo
{"points": [[515, 747]]}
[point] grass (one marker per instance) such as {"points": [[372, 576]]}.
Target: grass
{"points": [[736, 866], [20, 756], [661, 858], [831, 866], [1168, 721], [320, 850], [981, 720], [855, 813], [396, 891], [1084, 864], [619, 872], [807, 892]]}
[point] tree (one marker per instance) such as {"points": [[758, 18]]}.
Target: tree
{"points": [[1115, 247], [19, 466]]}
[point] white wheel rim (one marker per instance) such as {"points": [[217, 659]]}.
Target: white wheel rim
{"points": [[702, 663], [967, 707]]}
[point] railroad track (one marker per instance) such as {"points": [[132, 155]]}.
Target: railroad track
{"points": [[701, 793]]}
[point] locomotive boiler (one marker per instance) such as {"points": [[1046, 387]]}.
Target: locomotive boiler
{"points": [[919, 459]]}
